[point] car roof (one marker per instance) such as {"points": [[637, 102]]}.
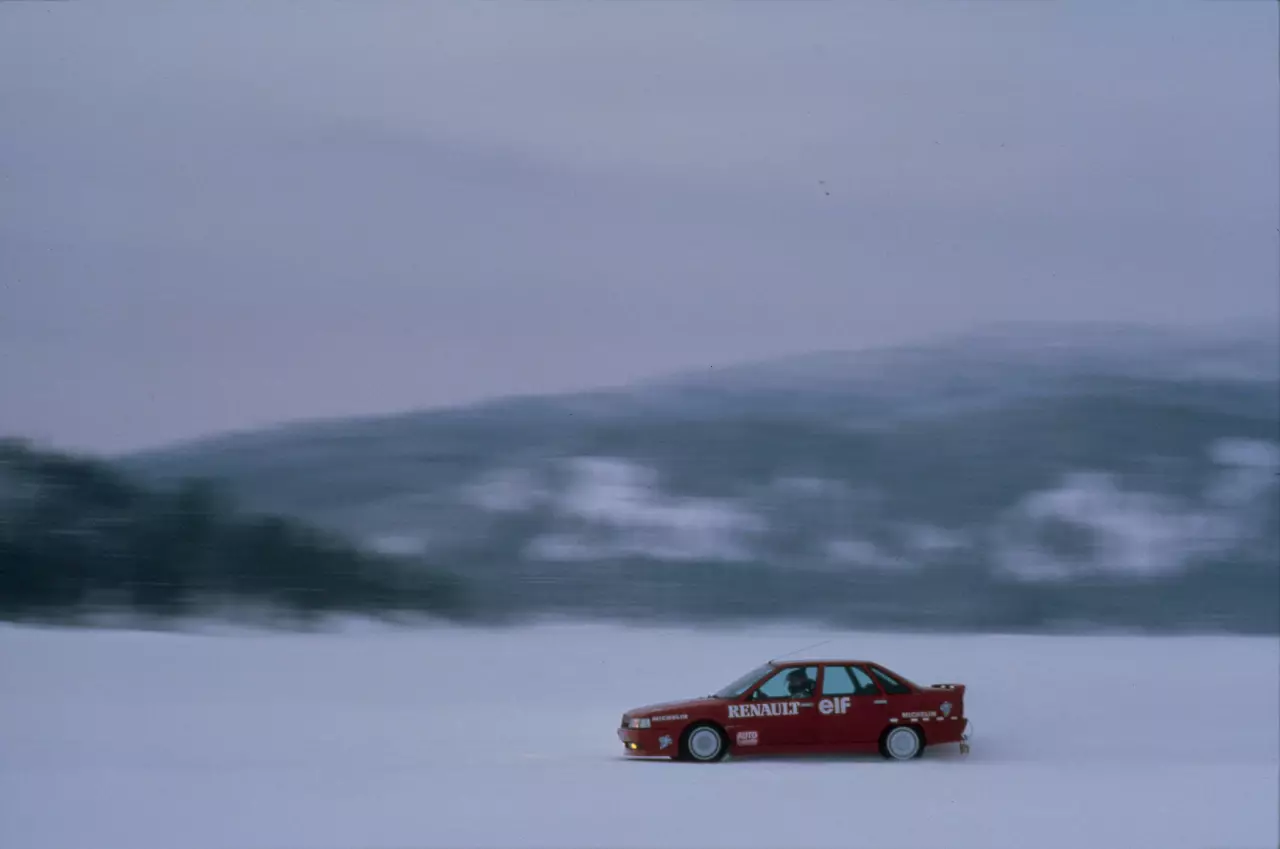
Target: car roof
{"points": [[821, 661]]}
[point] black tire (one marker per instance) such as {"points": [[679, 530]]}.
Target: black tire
{"points": [[902, 743], [703, 742]]}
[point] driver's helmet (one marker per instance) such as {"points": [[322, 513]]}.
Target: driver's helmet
{"points": [[798, 682]]}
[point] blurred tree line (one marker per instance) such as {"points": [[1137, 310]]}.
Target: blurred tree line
{"points": [[78, 536]]}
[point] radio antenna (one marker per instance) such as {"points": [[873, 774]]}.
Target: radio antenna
{"points": [[797, 651]]}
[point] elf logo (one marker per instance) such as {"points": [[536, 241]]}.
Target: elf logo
{"points": [[829, 706]]}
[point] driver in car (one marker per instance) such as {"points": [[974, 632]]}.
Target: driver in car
{"points": [[799, 684]]}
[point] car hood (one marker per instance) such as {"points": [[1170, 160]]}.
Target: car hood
{"points": [[680, 706]]}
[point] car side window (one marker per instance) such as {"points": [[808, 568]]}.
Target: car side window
{"points": [[837, 682], [891, 685], [780, 685], [848, 681], [865, 686]]}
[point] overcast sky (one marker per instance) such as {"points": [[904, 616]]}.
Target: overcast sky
{"points": [[218, 216]]}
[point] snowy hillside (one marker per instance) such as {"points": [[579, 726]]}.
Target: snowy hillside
{"points": [[457, 738], [1020, 477]]}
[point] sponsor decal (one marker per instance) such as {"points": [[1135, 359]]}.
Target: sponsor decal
{"points": [[946, 708], [671, 717], [664, 741], [766, 709], [918, 714], [838, 705], [748, 738]]}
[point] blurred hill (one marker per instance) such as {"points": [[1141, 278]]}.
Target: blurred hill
{"points": [[1018, 477], [78, 539]]}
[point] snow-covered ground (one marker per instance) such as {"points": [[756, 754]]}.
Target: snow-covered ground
{"points": [[369, 739]]}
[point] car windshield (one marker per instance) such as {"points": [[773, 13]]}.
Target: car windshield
{"points": [[738, 687]]}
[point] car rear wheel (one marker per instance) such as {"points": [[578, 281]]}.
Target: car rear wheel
{"points": [[902, 743], [704, 743]]}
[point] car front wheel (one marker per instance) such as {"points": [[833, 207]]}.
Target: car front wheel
{"points": [[704, 743], [902, 743]]}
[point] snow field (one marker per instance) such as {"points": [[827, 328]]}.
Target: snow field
{"points": [[374, 739]]}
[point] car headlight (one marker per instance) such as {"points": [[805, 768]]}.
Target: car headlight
{"points": [[640, 722]]}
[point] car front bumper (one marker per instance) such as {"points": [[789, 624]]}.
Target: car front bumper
{"points": [[648, 742]]}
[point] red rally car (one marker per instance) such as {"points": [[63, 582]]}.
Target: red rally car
{"points": [[803, 707]]}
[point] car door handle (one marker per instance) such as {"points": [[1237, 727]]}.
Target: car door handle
{"points": [[882, 701]]}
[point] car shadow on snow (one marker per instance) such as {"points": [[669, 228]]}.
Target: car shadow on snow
{"points": [[948, 754]]}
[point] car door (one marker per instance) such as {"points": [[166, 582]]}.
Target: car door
{"points": [[851, 708], [773, 717]]}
